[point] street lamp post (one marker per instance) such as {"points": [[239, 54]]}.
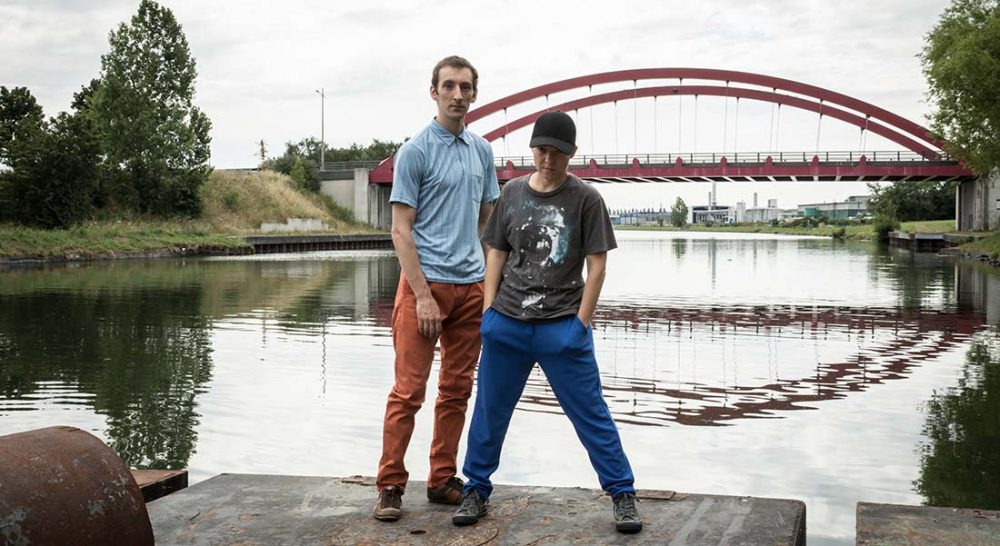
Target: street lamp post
{"points": [[322, 128]]}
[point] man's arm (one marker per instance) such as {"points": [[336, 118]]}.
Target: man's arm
{"points": [[495, 260], [484, 215], [428, 312], [596, 264]]}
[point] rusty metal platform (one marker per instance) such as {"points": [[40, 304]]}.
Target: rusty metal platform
{"points": [[899, 525], [257, 509]]}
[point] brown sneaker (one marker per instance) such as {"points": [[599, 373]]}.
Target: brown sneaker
{"points": [[449, 493], [390, 504]]}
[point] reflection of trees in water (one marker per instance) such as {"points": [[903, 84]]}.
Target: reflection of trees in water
{"points": [[919, 278], [132, 340], [143, 355], [356, 291], [680, 247], [960, 456]]}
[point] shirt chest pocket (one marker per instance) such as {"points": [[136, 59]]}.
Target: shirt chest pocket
{"points": [[476, 177]]}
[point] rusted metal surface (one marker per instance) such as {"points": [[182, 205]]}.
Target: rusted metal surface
{"points": [[159, 483], [250, 509], [61, 485], [899, 525]]}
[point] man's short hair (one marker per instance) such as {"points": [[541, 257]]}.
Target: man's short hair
{"points": [[457, 63]]}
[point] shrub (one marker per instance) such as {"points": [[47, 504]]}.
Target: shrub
{"points": [[883, 223], [230, 199]]}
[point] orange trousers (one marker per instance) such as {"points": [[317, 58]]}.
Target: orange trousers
{"points": [[461, 310]]}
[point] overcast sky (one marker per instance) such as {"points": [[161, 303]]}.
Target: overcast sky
{"points": [[259, 65]]}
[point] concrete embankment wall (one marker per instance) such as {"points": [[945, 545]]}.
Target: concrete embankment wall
{"points": [[977, 203], [351, 190]]}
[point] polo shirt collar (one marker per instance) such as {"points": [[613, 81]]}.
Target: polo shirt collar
{"points": [[446, 136]]}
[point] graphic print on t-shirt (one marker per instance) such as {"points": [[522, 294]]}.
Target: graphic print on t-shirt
{"points": [[544, 235], [543, 238]]}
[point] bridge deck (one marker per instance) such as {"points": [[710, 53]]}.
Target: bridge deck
{"points": [[740, 167]]}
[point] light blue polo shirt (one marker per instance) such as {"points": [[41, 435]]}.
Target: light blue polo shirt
{"points": [[446, 179]]}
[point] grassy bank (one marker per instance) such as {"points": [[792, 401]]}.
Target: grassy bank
{"points": [[989, 245], [233, 204], [858, 232]]}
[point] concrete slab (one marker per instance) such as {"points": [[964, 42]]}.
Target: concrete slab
{"points": [[255, 509], [899, 525]]}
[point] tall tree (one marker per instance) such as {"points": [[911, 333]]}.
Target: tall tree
{"points": [[961, 61], [679, 213], [156, 140], [20, 115]]}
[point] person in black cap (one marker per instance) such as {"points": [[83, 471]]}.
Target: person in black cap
{"points": [[537, 308]]}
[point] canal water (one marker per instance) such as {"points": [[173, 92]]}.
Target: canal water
{"points": [[802, 368]]}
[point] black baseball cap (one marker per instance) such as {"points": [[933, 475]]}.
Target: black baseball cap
{"points": [[554, 129]]}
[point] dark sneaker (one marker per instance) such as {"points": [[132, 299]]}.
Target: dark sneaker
{"points": [[449, 493], [626, 516], [390, 504], [473, 507]]}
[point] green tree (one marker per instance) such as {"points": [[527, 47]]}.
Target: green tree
{"points": [[20, 116], [376, 151], [961, 61], [298, 172], [54, 172], [298, 163], [156, 140], [306, 153], [907, 201], [54, 165], [679, 213]]}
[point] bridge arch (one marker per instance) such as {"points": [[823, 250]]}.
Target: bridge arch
{"points": [[780, 91], [906, 132], [822, 109]]}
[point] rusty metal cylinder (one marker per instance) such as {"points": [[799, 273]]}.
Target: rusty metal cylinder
{"points": [[64, 486]]}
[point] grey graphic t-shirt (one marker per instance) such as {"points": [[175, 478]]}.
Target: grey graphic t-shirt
{"points": [[548, 237]]}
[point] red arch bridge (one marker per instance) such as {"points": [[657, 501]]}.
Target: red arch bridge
{"points": [[922, 156]]}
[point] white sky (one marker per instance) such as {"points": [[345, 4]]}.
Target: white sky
{"points": [[260, 62]]}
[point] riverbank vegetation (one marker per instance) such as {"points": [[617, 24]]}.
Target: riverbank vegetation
{"points": [[989, 245], [234, 203]]}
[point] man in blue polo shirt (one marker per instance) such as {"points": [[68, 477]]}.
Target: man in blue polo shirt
{"points": [[444, 184]]}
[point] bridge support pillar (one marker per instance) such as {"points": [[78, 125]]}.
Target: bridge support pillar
{"points": [[977, 203], [360, 207], [379, 209]]}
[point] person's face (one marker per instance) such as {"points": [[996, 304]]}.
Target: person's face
{"points": [[454, 93], [550, 161]]}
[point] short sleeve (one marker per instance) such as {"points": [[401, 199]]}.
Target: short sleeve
{"points": [[406, 176], [495, 233], [491, 186], [598, 233]]}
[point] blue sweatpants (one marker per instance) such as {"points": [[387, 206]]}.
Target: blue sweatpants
{"points": [[565, 350]]}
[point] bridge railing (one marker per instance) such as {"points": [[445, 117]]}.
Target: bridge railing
{"points": [[349, 165], [896, 156]]}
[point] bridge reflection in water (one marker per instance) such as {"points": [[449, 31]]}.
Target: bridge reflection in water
{"points": [[679, 363], [714, 384]]}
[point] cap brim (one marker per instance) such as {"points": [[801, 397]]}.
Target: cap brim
{"points": [[561, 145]]}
